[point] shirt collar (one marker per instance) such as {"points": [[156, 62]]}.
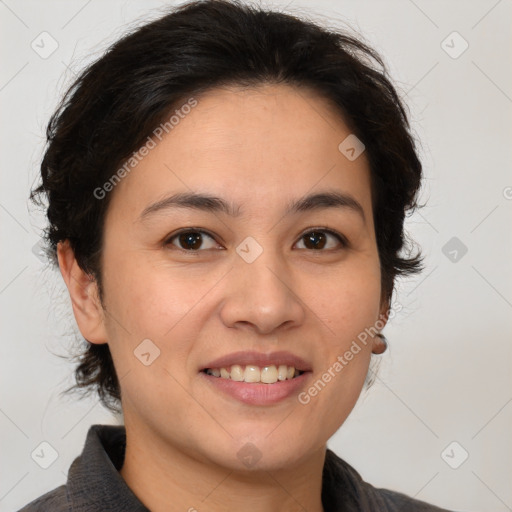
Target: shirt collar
{"points": [[94, 481]]}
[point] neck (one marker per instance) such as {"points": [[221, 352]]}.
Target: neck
{"points": [[161, 475]]}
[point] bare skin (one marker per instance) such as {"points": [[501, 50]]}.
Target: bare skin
{"points": [[259, 149]]}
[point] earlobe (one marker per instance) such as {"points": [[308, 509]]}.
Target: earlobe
{"points": [[83, 291], [380, 344]]}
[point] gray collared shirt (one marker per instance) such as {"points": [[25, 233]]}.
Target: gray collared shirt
{"points": [[95, 484]]}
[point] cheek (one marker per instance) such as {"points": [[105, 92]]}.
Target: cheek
{"points": [[349, 306], [346, 354], [168, 306], [151, 299], [146, 304], [348, 302]]}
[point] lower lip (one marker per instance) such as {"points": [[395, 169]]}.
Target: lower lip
{"points": [[258, 394]]}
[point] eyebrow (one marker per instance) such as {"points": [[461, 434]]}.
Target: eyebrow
{"points": [[214, 204]]}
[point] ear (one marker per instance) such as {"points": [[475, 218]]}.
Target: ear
{"points": [[379, 345], [83, 291]]}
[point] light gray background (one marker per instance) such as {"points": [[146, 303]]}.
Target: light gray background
{"points": [[447, 375]]}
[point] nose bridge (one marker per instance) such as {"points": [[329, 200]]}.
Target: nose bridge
{"points": [[259, 292], [265, 274]]}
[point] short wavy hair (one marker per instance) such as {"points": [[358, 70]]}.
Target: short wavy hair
{"points": [[117, 101]]}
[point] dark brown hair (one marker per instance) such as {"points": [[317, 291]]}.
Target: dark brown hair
{"points": [[115, 104]]}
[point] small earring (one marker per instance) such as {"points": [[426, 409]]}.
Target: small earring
{"points": [[382, 346]]}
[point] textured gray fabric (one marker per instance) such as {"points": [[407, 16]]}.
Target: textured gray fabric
{"points": [[94, 484]]}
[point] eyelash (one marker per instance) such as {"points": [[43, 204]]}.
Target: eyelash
{"points": [[343, 241]]}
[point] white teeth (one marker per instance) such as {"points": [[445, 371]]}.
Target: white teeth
{"points": [[269, 374], [236, 373], [251, 373]]}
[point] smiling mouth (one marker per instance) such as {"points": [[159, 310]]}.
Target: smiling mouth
{"points": [[270, 374]]}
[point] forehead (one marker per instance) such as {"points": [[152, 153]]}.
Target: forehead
{"points": [[270, 143]]}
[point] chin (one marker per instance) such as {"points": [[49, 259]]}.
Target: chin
{"points": [[253, 453]]}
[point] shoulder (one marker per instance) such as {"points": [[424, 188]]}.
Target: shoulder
{"points": [[396, 501], [343, 485], [55, 500]]}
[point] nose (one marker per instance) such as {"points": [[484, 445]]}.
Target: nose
{"points": [[262, 295]]}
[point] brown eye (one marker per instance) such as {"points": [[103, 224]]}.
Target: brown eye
{"points": [[191, 240], [318, 239]]}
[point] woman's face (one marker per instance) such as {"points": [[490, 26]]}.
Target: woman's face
{"points": [[263, 281]]}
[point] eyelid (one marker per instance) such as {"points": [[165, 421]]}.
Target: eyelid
{"points": [[325, 229]]}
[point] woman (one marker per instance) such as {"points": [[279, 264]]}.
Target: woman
{"points": [[226, 194]]}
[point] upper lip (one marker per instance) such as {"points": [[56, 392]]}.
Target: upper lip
{"points": [[259, 359]]}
